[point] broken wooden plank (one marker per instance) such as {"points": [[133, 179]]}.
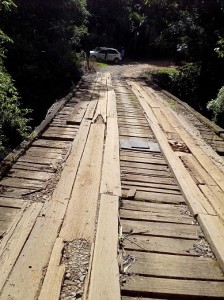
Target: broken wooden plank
{"points": [[131, 193]]}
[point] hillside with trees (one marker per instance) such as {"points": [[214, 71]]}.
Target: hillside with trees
{"points": [[41, 46]]}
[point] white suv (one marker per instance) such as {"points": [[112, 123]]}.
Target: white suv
{"points": [[105, 54]]}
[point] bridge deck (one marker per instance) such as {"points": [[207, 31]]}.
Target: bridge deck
{"points": [[117, 198]]}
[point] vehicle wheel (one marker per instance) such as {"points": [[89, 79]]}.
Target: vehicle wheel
{"points": [[116, 60], [93, 58]]}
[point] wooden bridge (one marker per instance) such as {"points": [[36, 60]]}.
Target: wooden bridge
{"points": [[115, 196]]}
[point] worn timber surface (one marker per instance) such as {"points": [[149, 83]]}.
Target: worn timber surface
{"points": [[116, 198]]}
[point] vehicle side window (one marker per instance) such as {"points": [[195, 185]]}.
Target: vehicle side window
{"points": [[102, 51], [112, 52]]}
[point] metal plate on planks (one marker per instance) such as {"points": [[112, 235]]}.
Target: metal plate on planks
{"points": [[135, 144]]}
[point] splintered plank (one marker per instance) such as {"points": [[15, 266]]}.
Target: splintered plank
{"points": [[161, 229], [86, 188], [175, 266], [160, 244], [149, 286], [104, 284], [110, 182], [51, 144]]}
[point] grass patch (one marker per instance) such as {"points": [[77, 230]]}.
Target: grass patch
{"points": [[101, 64]]}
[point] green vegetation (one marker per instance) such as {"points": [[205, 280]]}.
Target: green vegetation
{"points": [[13, 119], [42, 46], [217, 107]]}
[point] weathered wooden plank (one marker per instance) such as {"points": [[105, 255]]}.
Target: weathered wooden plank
{"points": [[153, 207], [175, 266], [146, 172], [7, 214], [150, 189], [149, 286], [40, 160], [110, 182], [155, 216], [146, 158], [213, 228], [104, 282], [51, 287], [14, 203], [101, 109], [85, 191], [78, 113], [12, 192], [28, 270], [186, 183], [9, 254], [60, 137], [152, 165], [161, 229], [157, 197], [43, 176], [151, 184], [22, 183], [33, 167], [149, 179], [160, 245], [38, 248]]}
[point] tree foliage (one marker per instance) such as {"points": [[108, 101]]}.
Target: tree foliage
{"points": [[13, 119], [43, 59]]}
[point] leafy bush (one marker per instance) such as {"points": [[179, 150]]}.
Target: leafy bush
{"points": [[217, 106], [13, 121]]}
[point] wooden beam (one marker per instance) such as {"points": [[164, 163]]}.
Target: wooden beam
{"points": [[213, 228], [85, 193], [196, 200], [104, 284], [10, 250], [51, 287]]}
